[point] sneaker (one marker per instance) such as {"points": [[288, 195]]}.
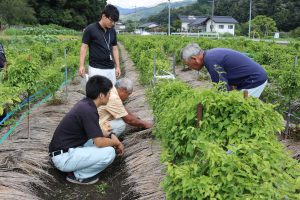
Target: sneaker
{"points": [[87, 181]]}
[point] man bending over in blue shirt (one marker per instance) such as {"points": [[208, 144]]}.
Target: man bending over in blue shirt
{"points": [[234, 68]]}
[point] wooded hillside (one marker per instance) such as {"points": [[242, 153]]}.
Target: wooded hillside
{"points": [[285, 13], [74, 14]]}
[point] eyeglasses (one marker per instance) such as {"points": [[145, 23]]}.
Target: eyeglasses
{"points": [[111, 20]]}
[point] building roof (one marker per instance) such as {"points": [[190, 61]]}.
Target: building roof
{"points": [[149, 25], [119, 23], [191, 18], [201, 20], [198, 22], [224, 19]]}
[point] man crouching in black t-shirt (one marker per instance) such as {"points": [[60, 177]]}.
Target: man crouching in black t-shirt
{"points": [[78, 145]]}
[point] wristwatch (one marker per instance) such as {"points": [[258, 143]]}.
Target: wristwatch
{"points": [[112, 133]]}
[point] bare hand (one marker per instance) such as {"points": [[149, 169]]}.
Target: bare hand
{"points": [[120, 149], [81, 71], [148, 125], [232, 87], [118, 72]]}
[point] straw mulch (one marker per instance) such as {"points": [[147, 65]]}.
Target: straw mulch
{"points": [[142, 158], [24, 160]]}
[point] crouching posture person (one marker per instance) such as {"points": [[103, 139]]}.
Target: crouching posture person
{"points": [[78, 145], [114, 116]]}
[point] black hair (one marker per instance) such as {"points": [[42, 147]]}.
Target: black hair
{"points": [[111, 11], [97, 84]]}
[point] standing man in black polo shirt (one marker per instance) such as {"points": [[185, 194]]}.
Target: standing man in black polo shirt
{"points": [[78, 145], [101, 39]]}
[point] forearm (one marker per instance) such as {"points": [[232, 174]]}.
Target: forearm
{"points": [[105, 142], [116, 56], [83, 51], [134, 121]]}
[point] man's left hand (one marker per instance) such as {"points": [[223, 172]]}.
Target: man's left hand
{"points": [[148, 125], [118, 72]]}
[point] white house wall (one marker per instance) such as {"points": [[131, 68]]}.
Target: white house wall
{"points": [[184, 26], [225, 28], [208, 23], [218, 30]]}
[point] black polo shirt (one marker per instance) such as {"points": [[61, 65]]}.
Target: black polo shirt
{"points": [[99, 53], [77, 127]]}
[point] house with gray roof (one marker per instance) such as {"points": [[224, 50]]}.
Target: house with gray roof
{"points": [[221, 24], [149, 25], [218, 24], [186, 21]]}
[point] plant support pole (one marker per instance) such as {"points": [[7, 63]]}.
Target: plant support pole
{"points": [[199, 114], [246, 94], [154, 68], [173, 67], [286, 131], [66, 71], [28, 117]]}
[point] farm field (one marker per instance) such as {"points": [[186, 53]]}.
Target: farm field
{"points": [[28, 143], [278, 61], [232, 152]]}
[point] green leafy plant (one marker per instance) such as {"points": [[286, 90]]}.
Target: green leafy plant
{"points": [[36, 64], [101, 188], [233, 154], [277, 60]]}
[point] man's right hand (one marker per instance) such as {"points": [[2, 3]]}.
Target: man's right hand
{"points": [[81, 71], [119, 147]]}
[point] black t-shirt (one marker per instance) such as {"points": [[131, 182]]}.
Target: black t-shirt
{"points": [[100, 45], [2, 57], [77, 127]]}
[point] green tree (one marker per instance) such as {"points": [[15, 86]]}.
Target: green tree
{"points": [[295, 33], [74, 14], [17, 12], [286, 13], [177, 25], [130, 25], [263, 25]]}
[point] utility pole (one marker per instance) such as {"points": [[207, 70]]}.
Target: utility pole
{"points": [[169, 22], [135, 18], [212, 14], [250, 12]]}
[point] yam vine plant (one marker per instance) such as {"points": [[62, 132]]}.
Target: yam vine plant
{"points": [[233, 154], [35, 65], [278, 61], [51, 29], [142, 54]]}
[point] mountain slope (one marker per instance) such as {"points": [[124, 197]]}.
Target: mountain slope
{"points": [[127, 11], [146, 12]]}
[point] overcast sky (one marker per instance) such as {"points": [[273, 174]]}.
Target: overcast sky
{"points": [[137, 3]]}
